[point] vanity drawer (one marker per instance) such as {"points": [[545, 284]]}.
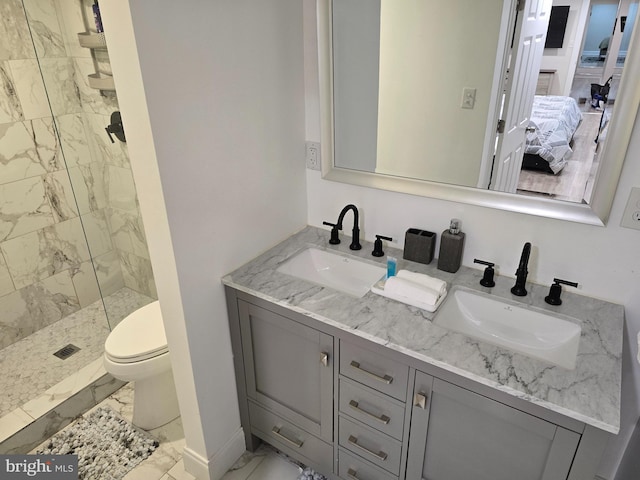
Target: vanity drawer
{"points": [[373, 446], [372, 408], [351, 467], [374, 370], [290, 439]]}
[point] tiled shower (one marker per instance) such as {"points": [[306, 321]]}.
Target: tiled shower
{"points": [[73, 255]]}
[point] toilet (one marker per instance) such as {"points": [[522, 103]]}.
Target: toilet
{"points": [[136, 351]]}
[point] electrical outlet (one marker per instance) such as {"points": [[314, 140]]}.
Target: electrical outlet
{"points": [[313, 155], [468, 97], [631, 215]]}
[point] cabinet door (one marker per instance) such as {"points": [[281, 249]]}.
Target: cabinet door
{"points": [[288, 368], [457, 434]]}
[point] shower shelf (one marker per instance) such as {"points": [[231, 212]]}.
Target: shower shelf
{"points": [[101, 81], [92, 40]]}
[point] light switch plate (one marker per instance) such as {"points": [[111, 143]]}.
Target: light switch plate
{"points": [[631, 215]]}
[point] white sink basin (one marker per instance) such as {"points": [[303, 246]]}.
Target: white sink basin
{"points": [[332, 270], [522, 330]]}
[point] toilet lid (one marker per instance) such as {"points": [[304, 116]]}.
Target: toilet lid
{"points": [[139, 336]]}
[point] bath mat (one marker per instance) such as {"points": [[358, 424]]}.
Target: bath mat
{"points": [[309, 474], [107, 446]]}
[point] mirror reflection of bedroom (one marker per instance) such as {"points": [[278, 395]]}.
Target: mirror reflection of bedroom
{"points": [[575, 94]]}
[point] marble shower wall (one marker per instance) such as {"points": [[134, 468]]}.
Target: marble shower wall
{"points": [[46, 271]]}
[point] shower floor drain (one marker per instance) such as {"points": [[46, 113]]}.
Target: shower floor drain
{"points": [[66, 351]]}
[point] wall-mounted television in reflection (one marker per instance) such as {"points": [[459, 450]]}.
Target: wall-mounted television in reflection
{"points": [[557, 26]]}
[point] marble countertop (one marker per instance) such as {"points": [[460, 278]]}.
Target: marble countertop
{"points": [[590, 393]]}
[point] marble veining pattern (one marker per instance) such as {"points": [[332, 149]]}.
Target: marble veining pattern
{"points": [[45, 28], [10, 108], [590, 393], [28, 149], [16, 40], [29, 367]]}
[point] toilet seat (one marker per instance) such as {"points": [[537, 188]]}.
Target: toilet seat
{"points": [[140, 336]]}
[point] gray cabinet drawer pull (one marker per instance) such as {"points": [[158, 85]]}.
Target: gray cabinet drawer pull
{"points": [[379, 455], [324, 359], [386, 379], [351, 473], [382, 418], [295, 443], [420, 400]]}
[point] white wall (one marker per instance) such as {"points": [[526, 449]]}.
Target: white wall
{"points": [[603, 260], [564, 60], [212, 97]]}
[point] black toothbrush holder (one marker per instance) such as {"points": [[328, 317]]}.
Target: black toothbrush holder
{"points": [[419, 245]]}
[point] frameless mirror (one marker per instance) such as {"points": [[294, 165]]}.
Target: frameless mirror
{"points": [[412, 90]]}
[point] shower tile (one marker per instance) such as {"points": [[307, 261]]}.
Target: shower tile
{"points": [[45, 28], [93, 177], [73, 138], [6, 283], [127, 232], [101, 147], [109, 273], [12, 422], [65, 389], [72, 22], [40, 254], [60, 81], [138, 274], [29, 88], [121, 189], [36, 306], [97, 232], [14, 32], [85, 283], [23, 208], [61, 195], [10, 108], [28, 149]]}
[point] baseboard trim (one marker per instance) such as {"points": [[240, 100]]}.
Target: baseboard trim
{"points": [[215, 467]]}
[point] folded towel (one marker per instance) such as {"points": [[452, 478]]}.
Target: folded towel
{"points": [[402, 287], [440, 286]]}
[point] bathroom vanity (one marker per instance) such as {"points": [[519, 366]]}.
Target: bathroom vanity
{"points": [[370, 388]]}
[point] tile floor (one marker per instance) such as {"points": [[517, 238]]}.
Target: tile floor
{"points": [[166, 462], [29, 365]]}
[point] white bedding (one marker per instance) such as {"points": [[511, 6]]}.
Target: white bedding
{"points": [[555, 119]]}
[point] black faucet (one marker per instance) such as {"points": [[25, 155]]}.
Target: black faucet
{"points": [[521, 274], [355, 236]]}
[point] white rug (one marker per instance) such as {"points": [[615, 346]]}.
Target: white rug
{"points": [[107, 446]]}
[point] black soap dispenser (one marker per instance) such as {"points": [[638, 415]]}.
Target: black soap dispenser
{"points": [[451, 246]]}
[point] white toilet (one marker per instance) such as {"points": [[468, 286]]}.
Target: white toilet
{"points": [[136, 351]]}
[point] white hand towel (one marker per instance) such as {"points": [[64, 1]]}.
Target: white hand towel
{"points": [[402, 287], [440, 286]]}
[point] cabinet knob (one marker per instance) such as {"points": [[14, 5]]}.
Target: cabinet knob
{"points": [[324, 359], [420, 400]]}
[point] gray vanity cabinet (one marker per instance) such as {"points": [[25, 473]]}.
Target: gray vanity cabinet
{"points": [[288, 376], [457, 434]]}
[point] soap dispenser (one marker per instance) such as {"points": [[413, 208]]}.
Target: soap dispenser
{"points": [[451, 245]]}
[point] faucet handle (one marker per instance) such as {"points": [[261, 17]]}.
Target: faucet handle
{"points": [[487, 278], [335, 239], [377, 245], [556, 289]]}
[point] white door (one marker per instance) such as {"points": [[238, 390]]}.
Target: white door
{"points": [[526, 56]]}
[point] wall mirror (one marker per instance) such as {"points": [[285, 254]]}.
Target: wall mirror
{"points": [[423, 139]]}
